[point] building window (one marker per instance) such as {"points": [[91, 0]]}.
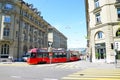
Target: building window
{"points": [[8, 6], [98, 19], [6, 32], [97, 4], [24, 49], [30, 47], [118, 12], [100, 35], [4, 51], [25, 25], [16, 33], [25, 36], [31, 39], [7, 19], [118, 33]]}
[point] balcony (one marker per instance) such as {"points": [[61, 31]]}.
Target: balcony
{"points": [[6, 40]]}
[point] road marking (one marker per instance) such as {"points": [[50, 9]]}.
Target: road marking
{"points": [[15, 64], [16, 76], [67, 66], [49, 79]]}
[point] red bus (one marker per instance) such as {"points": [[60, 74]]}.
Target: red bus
{"points": [[37, 55]]}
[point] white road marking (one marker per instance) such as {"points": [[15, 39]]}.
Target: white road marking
{"points": [[16, 76], [49, 79]]}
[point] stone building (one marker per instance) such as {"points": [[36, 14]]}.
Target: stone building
{"points": [[21, 28], [57, 38], [103, 29]]}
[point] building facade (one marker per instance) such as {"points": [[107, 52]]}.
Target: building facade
{"points": [[21, 28], [103, 29], [57, 38]]}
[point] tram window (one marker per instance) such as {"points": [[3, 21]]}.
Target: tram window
{"points": [[55, 55], [73, 55], [33, 55], [64, 54], [45, 54], [60, 55], [40, 55]]}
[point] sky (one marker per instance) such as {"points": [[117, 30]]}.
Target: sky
{"points": [[67, 16]]}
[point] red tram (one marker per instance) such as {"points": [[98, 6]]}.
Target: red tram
{"points": [[74, 55], [37, 55], [43, 56]]}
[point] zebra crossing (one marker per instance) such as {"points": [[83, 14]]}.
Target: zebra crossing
{"points": [[66, 66], [95, 74]]}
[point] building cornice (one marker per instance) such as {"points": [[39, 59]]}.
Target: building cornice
{"points": [[106, 24], [100, 8]]}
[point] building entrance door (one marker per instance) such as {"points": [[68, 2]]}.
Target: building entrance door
{"points": [[100, 51], [118, 55]]}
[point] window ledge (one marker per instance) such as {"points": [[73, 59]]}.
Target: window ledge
{"points": [[98, 23], [98, 9]]}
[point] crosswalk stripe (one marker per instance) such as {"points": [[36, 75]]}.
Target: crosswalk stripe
{"points": [[68, 66], [95, 74], [71, 78]]}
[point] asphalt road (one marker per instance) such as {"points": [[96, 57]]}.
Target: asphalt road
{"points": [[23, 71]]}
